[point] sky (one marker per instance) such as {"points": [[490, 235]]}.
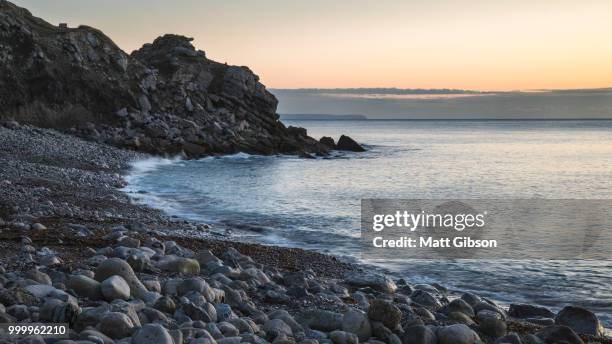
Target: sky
{"points": [[478, 45]]}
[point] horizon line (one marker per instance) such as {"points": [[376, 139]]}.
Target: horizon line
{"points": [[438, 90]]}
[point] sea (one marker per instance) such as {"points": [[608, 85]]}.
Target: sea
{"points": [[314, 204]]}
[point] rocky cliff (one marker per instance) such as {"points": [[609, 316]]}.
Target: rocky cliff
{"points": [[165, 98]]}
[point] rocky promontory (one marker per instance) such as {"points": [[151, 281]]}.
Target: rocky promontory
{"points": [[165, 98]]}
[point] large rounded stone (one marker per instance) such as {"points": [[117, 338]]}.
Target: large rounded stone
{"points": [[559, 334], [117, 266], [426, 299], [580, 320], [357, 322], [419, 334], [173, 263], [54, 310], [198, 285], [520, 310], [511, 338], [227, 329], [491, 323], [165, 304], [457, 334], [115, 287], [319, 319], [116, 325], [277, 328], [459, 305], [385, 312], [224, 311], [85, 287], [38, 276], [342, 337], [461, 318], [152, 334], [375, 281]]}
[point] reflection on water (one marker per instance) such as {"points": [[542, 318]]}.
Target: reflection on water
{"points": [[315, 203]]}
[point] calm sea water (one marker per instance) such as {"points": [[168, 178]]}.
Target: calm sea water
{"points": [[314, 204]]}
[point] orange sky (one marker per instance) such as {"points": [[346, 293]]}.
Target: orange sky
{"points": [[482, 45]]}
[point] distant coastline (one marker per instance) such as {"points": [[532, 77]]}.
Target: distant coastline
{"points": [[325, 117], [322, 117]]}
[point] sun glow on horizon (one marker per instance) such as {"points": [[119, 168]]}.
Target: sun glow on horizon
{"points": [[476, 45]]}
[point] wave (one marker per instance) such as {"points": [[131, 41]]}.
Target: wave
{"points": [[141, 167]]}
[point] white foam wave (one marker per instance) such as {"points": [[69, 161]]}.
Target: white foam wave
{"points": [[142, 167], [237, 156]]}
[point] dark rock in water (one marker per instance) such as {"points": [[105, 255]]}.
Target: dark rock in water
{"points": [[559, 334], [164, 98], [519, 310], [346, 143], [328, 142], [580, 320]]}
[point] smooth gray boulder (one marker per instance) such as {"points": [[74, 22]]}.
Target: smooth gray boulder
{"points": [[459, 305], [342, 337], [491, 323], [457, 334], [117, 266], [115, 287], [85, 287], [152, 334], [357, 322], [426, 299], [318, 319], [369, 279], [172, 263], [38, 276], [559, 334], [277, 328], [95, 336], [521, 310], [511, 338], [580, 320], [385, 312], [116, 325], [419, 334]]}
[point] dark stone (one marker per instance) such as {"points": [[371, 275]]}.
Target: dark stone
{"points": [[511, 338], [519, 310], [580, 320], [559, 334], [297, 131], [418, 335], [346, 143], [328, 142], [385, 312]]}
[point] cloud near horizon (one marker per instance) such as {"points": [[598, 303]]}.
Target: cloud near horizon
{"points": [[446, 103]]}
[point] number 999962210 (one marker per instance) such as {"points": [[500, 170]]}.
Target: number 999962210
{"points": [[8, 330]]}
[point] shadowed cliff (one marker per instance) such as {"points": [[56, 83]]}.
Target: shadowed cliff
{"points": [[165, 98]]}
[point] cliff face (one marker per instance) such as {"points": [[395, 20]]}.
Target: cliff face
{"points": [[165, 98]]}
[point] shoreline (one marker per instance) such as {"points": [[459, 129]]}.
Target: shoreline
{"points": [[64, 193]]}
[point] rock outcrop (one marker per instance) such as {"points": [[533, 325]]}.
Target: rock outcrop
{"points": [[165, 98], [346, 143]]}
